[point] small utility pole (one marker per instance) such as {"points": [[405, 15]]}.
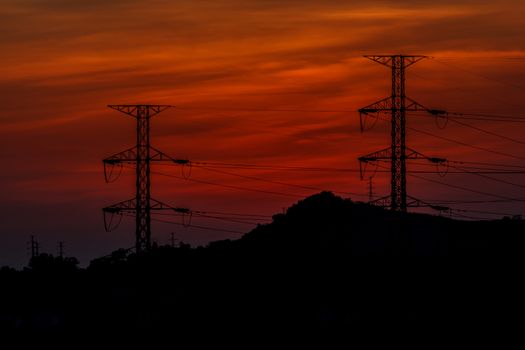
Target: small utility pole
{"points": [[172, 236], [34, 247], [61, 249], [370, 188]]}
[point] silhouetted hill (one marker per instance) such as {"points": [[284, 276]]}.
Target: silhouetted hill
{"points": [[328, 264]]}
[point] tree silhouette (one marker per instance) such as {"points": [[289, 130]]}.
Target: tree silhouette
{"points": [[48, 263]]}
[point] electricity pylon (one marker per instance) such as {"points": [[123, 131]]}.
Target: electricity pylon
{"points": [[398, 104], [35, 247], [141, 156]]}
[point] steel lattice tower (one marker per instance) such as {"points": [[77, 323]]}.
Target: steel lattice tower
{"points": [[141, 156], [397, 104]]}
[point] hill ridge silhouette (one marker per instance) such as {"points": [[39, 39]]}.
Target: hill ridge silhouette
{"points": [[327, 263]]}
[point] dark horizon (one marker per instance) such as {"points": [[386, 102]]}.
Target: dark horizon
{"points": [[423, 221], [325, 265]]}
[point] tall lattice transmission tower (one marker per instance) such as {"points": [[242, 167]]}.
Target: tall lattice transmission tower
{"points": [[397, 104], [141, 156]]}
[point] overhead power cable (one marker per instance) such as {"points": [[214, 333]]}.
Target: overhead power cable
{"points": [[264, 109], [276, 182], [479, 148], [194, 226], [468, 189]]}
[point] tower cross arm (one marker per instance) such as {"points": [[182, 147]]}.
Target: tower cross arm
{"points": [[379, 106], [383, 154], [133, 110], [386, 60], [381, 202], [415, 203], [158, 205], [381, 59], [386, 154], [130, 156], [129, 205], [412, 154], [410, 60], [126, 156], [385, 105], [159, 156], [414, 106]]}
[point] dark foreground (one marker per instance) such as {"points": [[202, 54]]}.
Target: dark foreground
{"points": [[328, 264]]}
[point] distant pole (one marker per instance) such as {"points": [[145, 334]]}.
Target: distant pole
{"points": [[61, 249], [33, 252], [172, 234], [370, 189], [34, 247]]}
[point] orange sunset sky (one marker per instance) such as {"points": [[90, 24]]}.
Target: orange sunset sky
{"points": [[221, 64]]}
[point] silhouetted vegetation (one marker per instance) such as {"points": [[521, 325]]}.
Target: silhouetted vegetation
{"points": [[327, 264], [49, 264]]}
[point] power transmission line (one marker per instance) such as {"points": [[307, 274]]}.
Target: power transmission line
{"points": [[461, 201], [469, 189], [246, 188], [480, 174], [488, 164], [479, 148], [203, 215], [277, 182], [488, 116], [194, 226], [488, 132], [272, 167], [264, 110], [510, 199], [229, 186], [479, 117], [236, 214]]}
